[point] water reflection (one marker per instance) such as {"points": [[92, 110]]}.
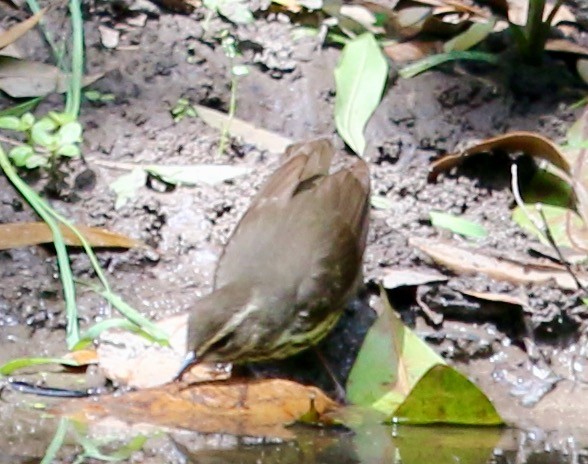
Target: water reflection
{"points": [[27, 432]]}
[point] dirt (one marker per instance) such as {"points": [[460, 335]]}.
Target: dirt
{"points": [[512, 355]]}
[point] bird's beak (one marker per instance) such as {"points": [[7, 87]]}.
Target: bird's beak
{"points": [[188, 362]]}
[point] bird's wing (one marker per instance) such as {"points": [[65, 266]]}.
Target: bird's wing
{"points": [[258, 226]]}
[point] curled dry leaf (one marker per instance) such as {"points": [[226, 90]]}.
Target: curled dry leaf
{"points": [[470, 261], [258, 408], [21, 234], [532, 143]]}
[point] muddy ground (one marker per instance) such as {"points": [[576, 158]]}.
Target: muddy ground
{"points": [[514, 356]]}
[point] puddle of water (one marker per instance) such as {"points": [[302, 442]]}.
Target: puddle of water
{"points": [[25, 434]]}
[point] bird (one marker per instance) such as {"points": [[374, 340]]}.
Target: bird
{"points": [[292, 263]]}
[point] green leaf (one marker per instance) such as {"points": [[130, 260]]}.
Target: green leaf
{"points": [[61, 118], [20, 363], [21, 108], [27, 120], [444, 396], [70, 133], [10, 123], [431, 61], [457, 225], [475, 34], [360, 77], [36, 161], [126, 186], [20, 154], [557, 221], [391, 361], [42, 133], [70, 151]]}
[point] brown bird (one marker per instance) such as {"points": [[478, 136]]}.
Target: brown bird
{"points": [[292, 263]]}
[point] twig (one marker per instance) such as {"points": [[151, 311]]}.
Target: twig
{"points": [[542, 227]]}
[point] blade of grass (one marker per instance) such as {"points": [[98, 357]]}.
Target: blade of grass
{"points": [[21, 108], [430, 62], [119, 323], [66, 275], [56, 442], [57, 53], [19, 363], [130, 313], [74, 92]]}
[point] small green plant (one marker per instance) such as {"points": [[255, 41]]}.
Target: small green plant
{"points": [[54, 136], [532, 37], [182, 109]]}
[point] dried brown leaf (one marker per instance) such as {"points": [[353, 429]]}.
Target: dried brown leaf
{"points": [[21, 234], [531, 143], [394, 278], [470, 261], [83, 357], [22, 78], [260, 408], [565, 46], [402, 52], [18, 30], [516, 300]]}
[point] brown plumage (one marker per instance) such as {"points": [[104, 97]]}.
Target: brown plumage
{"points": [[291, 264]]}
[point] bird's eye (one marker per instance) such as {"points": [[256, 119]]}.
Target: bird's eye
{"points": [[222, 343]]}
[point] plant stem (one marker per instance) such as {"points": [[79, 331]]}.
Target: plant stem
{"points": [[74, 91], [66, 274]]}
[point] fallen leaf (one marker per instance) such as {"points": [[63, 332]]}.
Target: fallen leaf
{"points": [[360, 77], [402, 52], [515, 300], [457, 225], [129, 358], [126, 186], [22, 78], [394, 278], [83, 357], [18, 30], [530, 143], [21, 234], [470, 261], [390, 362], [261, 138], [197, 174], [565, 46], [256, 408], [444, 396]]}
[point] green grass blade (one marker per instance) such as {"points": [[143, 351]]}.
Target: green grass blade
{"points": [[74, 91], [56, 442], [131, 313], [115, 323], [66, 275], [432, 61], [20, 363]]}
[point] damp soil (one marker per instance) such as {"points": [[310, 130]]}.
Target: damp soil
{"points": [[531, 363]]}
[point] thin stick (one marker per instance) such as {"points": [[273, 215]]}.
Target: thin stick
{"points": [[542, 227]]}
